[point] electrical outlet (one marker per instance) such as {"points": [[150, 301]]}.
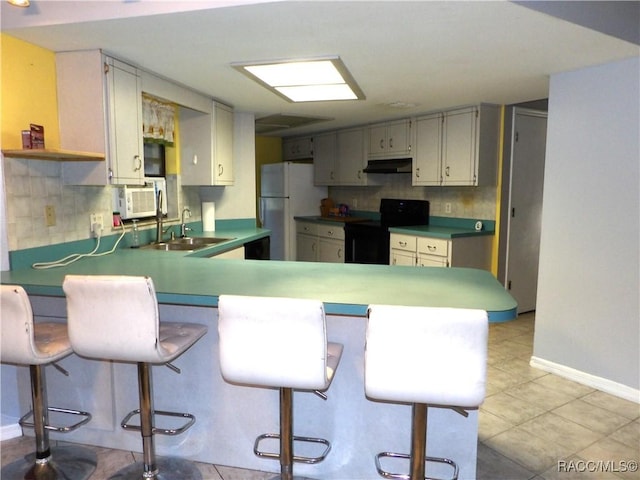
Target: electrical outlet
{"points": [[49, 215], [447, 207], [96, 224]]}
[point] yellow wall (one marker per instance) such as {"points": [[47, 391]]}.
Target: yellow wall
{"points": [[268, 150], [28, 92]]}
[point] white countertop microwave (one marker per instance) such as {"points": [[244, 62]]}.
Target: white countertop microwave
{"points": [[140, 201]]}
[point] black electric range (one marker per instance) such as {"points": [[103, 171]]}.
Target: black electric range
{"points": [[368, 242]]}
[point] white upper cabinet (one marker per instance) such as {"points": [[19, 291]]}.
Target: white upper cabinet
{"points": [[297, 148], [324, 163], [100, 110], [339, 157], [427, 160], [457, 147], [206, 146], [390, 139], [351, 158]]}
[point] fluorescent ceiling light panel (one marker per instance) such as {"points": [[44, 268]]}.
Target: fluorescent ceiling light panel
{"points": [[305, 80]]}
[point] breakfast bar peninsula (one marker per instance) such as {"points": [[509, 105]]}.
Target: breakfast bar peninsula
{"points": [[229, 417]]}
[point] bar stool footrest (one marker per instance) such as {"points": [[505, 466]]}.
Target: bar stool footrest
{"points": [[385, 474], [296, 458], [191, 419], [62, 429]]}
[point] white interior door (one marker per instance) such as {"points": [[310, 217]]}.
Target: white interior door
{"points": [[525, 206]]}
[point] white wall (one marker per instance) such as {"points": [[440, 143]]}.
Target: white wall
{"points": [[588, 314]]}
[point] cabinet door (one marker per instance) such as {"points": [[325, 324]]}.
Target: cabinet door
{"points": [[399, 138], [351, 157], [377, 140], [324, 172], [459, 147], [402, 258], [306, 248], [125, 123], [297, 148], [428, 152], [223, 140], [331, 251], [196, 152]]}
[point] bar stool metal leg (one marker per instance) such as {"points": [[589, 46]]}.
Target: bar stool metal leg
{"points": [[151, 468], [286, 434], [418, 440], [58, 463], [418, 456]]}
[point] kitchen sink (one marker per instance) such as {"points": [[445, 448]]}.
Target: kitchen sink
{"points": [[198, 240], [187, 244]]}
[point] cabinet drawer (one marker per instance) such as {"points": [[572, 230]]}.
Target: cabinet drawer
{"points": [[402, 242], [433, 246], [307, 228], [331, 231]]}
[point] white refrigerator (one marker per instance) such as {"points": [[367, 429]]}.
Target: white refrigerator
{"points": [[286, 191]]}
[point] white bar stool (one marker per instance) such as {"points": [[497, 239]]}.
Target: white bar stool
{"points": [[278, 342], [24, 342], [425, 356], [116, 318]]}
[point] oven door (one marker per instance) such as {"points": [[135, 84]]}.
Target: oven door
{"points": [[365, 243]]}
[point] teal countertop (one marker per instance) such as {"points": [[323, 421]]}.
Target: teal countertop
{"points": [[441, 227], [346, 289]]}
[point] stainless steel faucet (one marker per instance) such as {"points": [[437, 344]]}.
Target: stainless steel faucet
{"points": [[183, 226]]}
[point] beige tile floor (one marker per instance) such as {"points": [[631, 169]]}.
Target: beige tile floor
{"points": [[533, 425]]}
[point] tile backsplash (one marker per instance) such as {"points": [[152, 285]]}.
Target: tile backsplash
{"points": [[32, 185], [466, 202]]}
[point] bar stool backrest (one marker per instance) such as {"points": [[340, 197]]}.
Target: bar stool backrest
{"points": [[114, 317], [278, 342], [17, 332], [427, 355]]}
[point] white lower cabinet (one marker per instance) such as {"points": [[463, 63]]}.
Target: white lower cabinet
{"points": [[319, 243], [306, 242], [423, 251], [402, 250]]}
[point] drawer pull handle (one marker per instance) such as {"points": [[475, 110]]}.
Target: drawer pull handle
{"points": [[403, 244], [432, 248]]}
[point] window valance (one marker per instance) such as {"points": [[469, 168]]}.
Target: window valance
{"points": [[157, 120]]}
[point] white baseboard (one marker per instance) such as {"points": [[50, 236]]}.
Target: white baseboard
{"points": [[9, 431], [603, 384]]}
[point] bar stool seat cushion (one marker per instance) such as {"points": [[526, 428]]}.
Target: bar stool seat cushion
{"points": [[276, 342], [127, 331], [43, 343], [433, 356]]}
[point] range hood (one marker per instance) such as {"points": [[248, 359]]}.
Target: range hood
{"points": [[398, 165]]}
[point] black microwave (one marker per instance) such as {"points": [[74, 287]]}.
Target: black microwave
{"points": [[154, 161]]}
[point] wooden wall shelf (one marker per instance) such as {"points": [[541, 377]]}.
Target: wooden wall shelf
{"points": [[55, 155]]}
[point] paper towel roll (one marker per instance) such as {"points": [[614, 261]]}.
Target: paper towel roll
{"points": [[208, 216]]}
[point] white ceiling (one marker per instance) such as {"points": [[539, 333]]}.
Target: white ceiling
{"points": [[435, 54]]}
